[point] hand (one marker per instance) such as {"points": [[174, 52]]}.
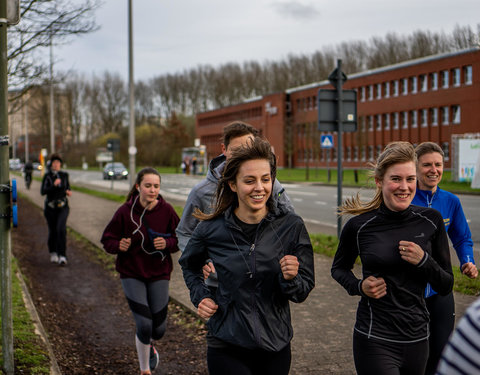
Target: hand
{"points": [[208, 269], [374, 287], [411, 252], [206, 308], [124, 244], [469, 269], [289, 265], [69, 192], [159, 243], [57, 182]]}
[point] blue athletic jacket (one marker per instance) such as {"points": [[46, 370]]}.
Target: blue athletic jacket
{"points": [[455, 222]]}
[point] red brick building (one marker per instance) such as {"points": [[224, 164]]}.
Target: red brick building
{"points": [[427, 99]]}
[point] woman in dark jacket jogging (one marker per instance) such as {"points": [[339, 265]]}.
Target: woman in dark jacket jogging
{"points": [[142, 236], [263, 258], [402, 247]]}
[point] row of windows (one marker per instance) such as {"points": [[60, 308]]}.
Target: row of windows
{"points": [[423, 117], [415, 84], [352, 153]]}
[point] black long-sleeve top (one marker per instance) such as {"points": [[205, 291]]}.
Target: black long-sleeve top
{"points": [[401, 315]]}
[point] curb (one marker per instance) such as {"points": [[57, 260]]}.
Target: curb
{"points": [[39, 329]]}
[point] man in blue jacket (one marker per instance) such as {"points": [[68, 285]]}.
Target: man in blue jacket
{"points": [[442, 308]]}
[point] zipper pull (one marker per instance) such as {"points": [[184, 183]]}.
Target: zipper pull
{"points": [[251, 249]]}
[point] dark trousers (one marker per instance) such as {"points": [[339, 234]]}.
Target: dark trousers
{"points": [[234, 360], [379, 357], [442, 322], [57, 229]]}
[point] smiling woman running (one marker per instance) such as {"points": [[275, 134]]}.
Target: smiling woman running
{"points": [[263, 258], [401, 247]]}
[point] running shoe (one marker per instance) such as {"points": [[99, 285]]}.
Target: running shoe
{"points": [[154, 358], [53, 257], [62, 260]]}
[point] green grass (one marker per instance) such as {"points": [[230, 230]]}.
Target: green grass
{"points": [[30, 353]]}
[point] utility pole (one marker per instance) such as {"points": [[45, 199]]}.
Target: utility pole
{"points": [[5, 209], [52, 114], [132, 150], [25, 120]]}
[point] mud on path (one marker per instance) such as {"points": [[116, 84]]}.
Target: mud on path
{"points": [[85, 314]]}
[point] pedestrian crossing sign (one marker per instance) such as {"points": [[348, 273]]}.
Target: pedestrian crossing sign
{"points": [[326, 141]]}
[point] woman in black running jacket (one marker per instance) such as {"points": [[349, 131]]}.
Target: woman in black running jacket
{"points": [[401, 247]]}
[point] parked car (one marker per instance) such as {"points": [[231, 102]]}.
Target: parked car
{"points": [[114, 171], [37, 166], [15, 164]]}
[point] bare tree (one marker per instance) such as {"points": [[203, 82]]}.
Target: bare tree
{"points": [[44, 22]]}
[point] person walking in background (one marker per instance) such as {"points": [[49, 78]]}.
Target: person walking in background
{"points": [[442, 308], [142, 236], [28, 170], [461, 354], [401, 248], [202, 195], [264, 259], [56, 187]]}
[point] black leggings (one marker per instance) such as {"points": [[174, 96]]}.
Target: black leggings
{"points": [[442, 322], [57, 229], [234, 360], [379, 357]]}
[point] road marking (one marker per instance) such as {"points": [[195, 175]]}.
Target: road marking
{"points": [[321, 203]]}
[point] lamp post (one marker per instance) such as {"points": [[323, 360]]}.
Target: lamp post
{"points": [[132, 150]]}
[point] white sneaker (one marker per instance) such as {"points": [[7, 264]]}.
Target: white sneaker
{"points": [[53, 257], [62, 260]]}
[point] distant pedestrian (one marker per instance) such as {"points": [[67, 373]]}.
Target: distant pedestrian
{"points": [[401, 248], [264, 260], [142, 235], [442, 308], [56, 187]]}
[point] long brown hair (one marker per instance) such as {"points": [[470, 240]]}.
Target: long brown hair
{"points": [[256, 149], [147, 170], [394, 153]]}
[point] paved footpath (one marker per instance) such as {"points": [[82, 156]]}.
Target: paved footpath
{"points": [[323, 324]]}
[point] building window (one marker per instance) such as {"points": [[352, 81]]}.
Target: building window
{"points": [[456, 77], [395, 120], [414, 118], [386, 121], [423, 83], [445, 79], [362, 94], [413, 83], [434, 116], [456, 118], [379, 150], [349, 153], [379, 90], [370, 152], [379, 122], [363, 149], [424, 119], [404, 86], [404, 120], [370, 123], [467, 73], [355, 153], [446, 151], [395, 85], [445, 115], [386, 88], [434, 80], [370, 92], [314, 98]]}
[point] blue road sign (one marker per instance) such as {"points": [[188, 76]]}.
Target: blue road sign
{"points": [[326, 141]]}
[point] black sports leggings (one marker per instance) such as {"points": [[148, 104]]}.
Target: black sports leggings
{"points": [[234, 360], [442, 322], [57, 229], [378, 357]]}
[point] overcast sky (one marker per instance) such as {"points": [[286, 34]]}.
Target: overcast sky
{"points": [[171, 36]]}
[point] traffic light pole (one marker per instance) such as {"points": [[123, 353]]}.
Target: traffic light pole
{"points": [[5, 210], [339, 143]]}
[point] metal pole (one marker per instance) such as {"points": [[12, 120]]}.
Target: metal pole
{"points": [[5, 241], [25, 120], [52, 118], [131, 95], [339, 143]]}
